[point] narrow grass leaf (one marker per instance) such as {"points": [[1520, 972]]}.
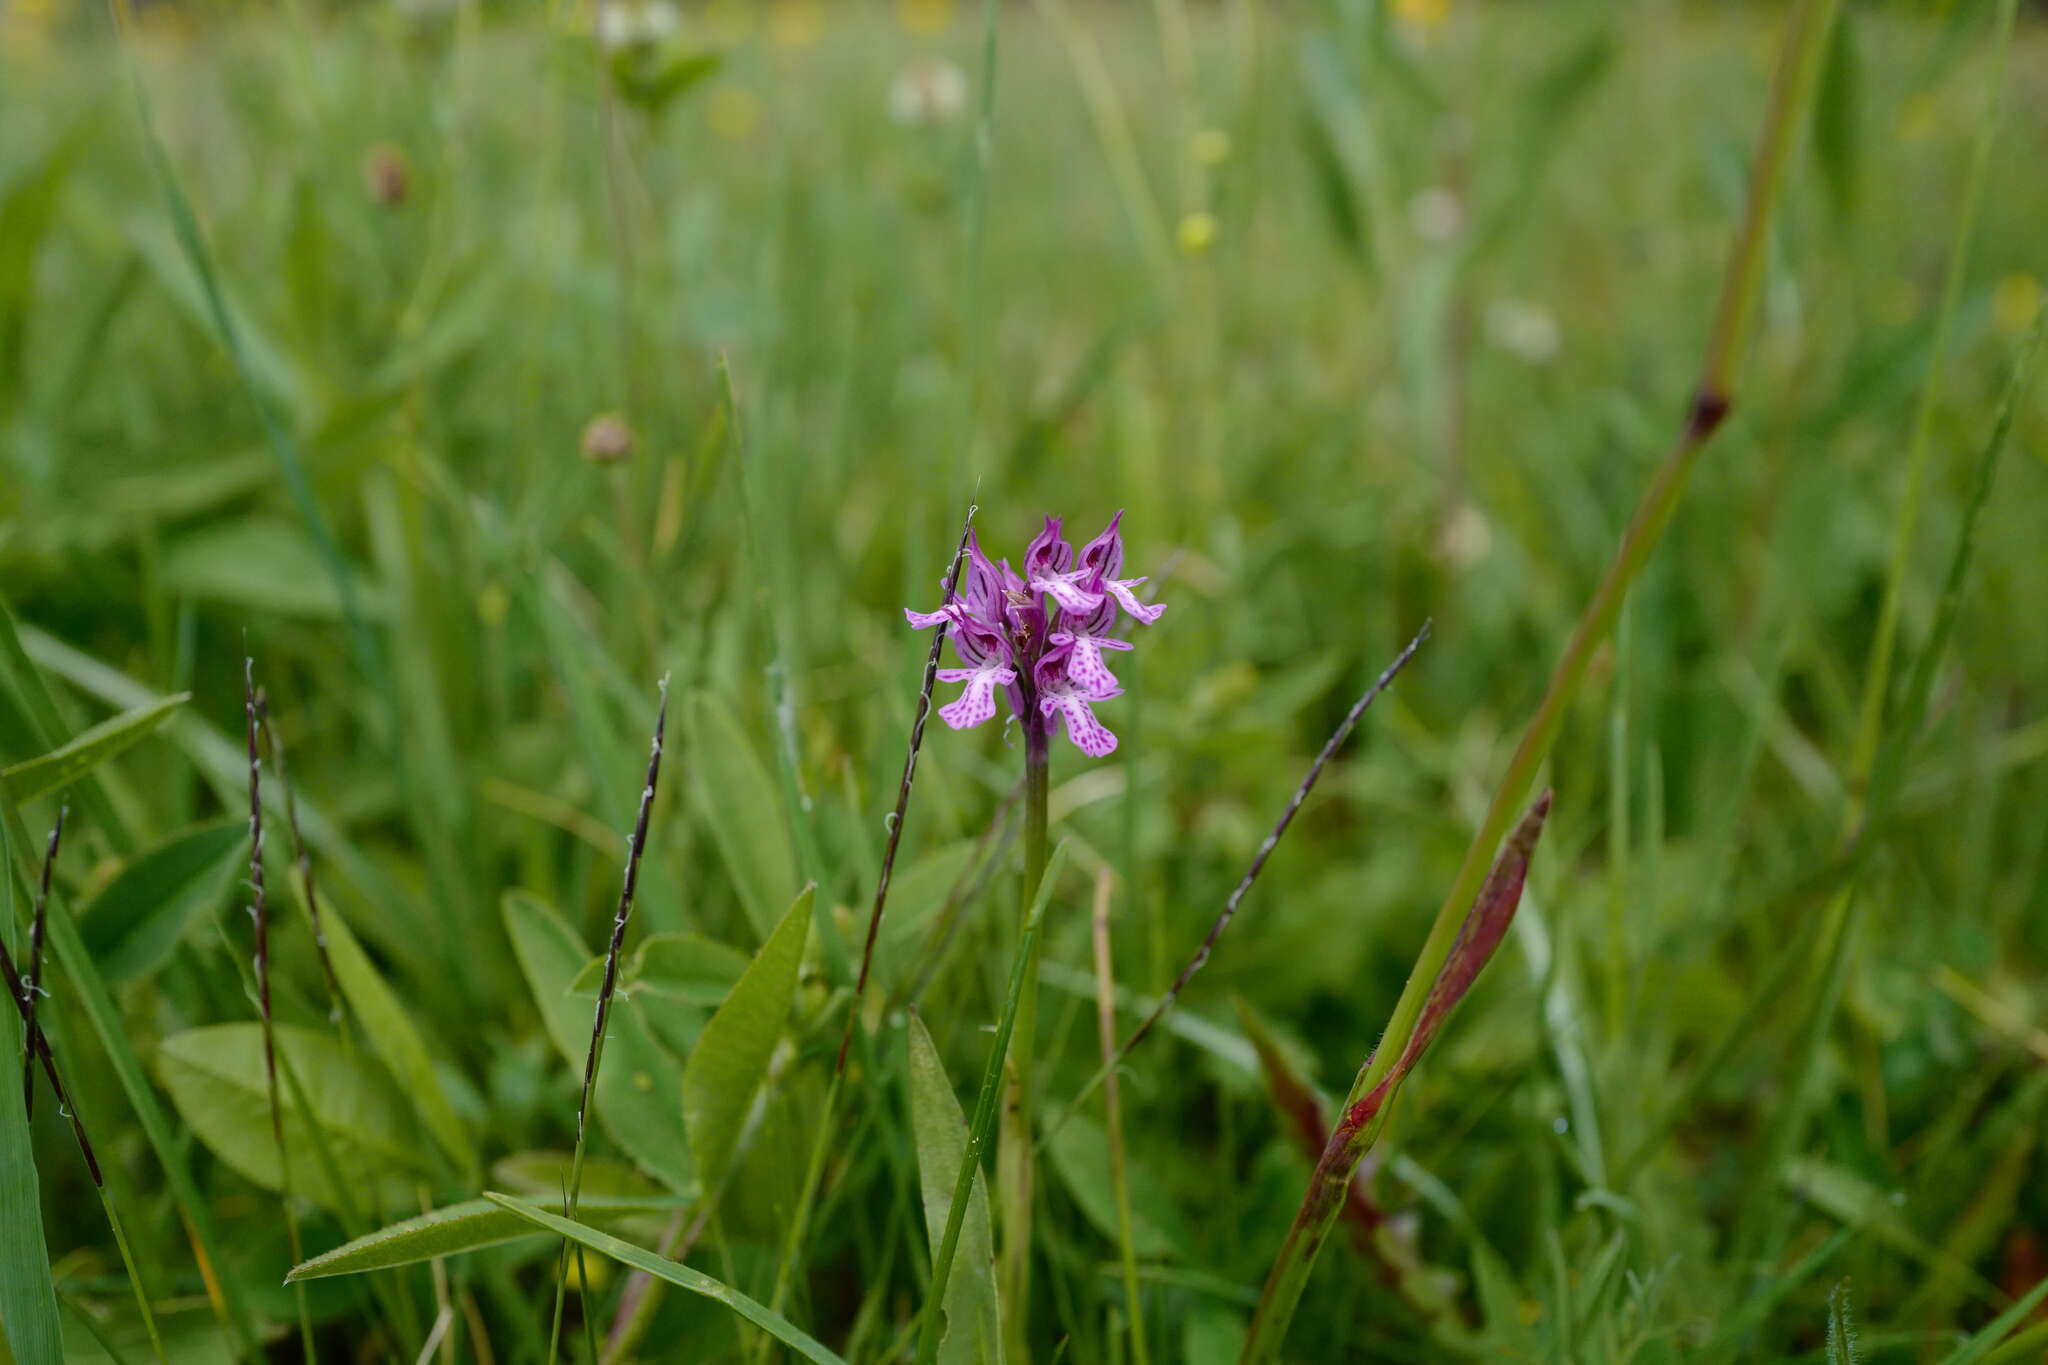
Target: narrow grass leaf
{"points": [[679, 1275], [134, 925], [725, 1073], [736, 799], [1982, 1344], [215, 1077], [469, 1226], [28, 1297], [395, 1039], [64, 765], [91, 993], [973, 1334]]}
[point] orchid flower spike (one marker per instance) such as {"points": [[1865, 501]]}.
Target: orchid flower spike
{"points": [[1040, 634]]}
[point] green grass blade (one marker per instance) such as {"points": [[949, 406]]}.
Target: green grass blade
{"points": [[66, 764], [90, 990], [681, 1276], [1980, 1346], [28, 1296], [984, 1115], [973, 1333], [469, 1226]]}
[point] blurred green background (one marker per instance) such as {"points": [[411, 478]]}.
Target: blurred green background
{"points": [[1365, 315]]}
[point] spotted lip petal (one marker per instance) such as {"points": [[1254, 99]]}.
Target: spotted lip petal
{"points": [[1120, 589], [978, 702], [1089, 735]]}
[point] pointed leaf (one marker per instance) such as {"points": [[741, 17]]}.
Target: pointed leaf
{"points": [[134, 925], [639, 1080], [215, 1078], [736, 798], [973, 1322], [395, 1040], [1080, 1154], [68, 762], [681, 1276], [468, 1226], [724, 1075]]}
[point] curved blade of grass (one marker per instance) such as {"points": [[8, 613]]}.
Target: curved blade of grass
{"points": [[984, 1116], [974, 1333], [1980, 1346], [1805, 42], [28, 1296], [91, 992], [469, 1226], [37, 777], [681, 1276]]}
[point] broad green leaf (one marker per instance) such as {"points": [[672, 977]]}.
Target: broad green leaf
{"points": [[676, 1274], [394, 1038], [215, 1078], [70, 761], [132, 927], [1080, 1153], [1837, 115], [725, 1073], [974, 1332], [546, 1174], [551, 956], [639, 1080], [736, 799], [28, 1298], [688, 968], [468, 1226], [289, 575]]}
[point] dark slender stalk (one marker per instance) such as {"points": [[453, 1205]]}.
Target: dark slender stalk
{"points": [[259, 912], [34, 987], [634, 849], [302, 856], [39, 1051], [917, 724], [1251, 874]]}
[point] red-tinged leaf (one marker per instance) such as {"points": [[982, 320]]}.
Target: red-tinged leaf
{"points": [[1486, 923], [1302, 1110]]}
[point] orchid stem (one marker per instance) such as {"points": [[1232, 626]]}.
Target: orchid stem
{"points": [[1014, 1173]]}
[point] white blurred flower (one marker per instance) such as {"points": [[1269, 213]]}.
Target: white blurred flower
{"points": [[643, 24], [930, 90], [1436, 214], [1523, 329]]}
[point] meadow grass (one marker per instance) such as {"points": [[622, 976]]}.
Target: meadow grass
{"points": [[1366, 319]]}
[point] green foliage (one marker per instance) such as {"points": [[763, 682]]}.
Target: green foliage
{"points": [[729, 1067], [66, 764], [28, 1301], [469, 1226], [135, 924], [214, 1075], [974, 1330], [1452, 302]]}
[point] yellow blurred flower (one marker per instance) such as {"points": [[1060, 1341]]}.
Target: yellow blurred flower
{"points": [[2014, 302], [733, 113], [1422, 13], [925, 17], [1211, 146], [796, 23], [1919, 115], [1197, 233], [493, 604]]}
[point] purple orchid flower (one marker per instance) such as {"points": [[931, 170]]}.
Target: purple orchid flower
{"points": [[1039, 634]]}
